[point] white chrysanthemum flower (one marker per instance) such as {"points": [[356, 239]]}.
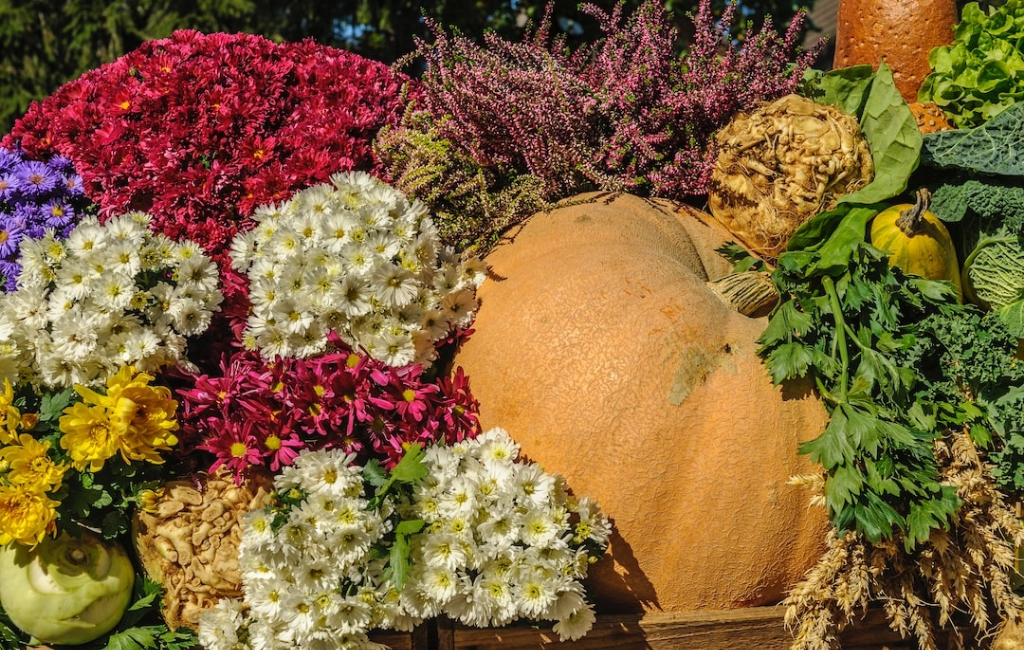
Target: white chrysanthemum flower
{"points": [[85, 239], [534, 594], [259, 530], [199, 273], [439, 584], [445, 551], [533, 485], [592, 525], [330, 472], [577, 624], [394, 349], [539, 529], [355, 255], [219, 625], [101, 292]]}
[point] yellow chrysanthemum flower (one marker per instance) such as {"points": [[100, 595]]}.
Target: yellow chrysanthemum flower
{"points": [[140, 416], [26, 516], [30, 464], [148, 413], [90, 437], [10, 416]]}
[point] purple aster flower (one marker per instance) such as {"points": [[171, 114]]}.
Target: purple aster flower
{"points": [[8, 160], [35, 178], [61, 165], [10, 272], [58, 214], [10, 236], [73, 185], [7, 185]]}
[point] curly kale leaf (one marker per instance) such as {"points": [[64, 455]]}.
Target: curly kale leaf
{"points": [[996, 147]]}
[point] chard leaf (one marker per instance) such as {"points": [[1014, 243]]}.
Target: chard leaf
{"points": [[835, 254], [893, 137], [995, 147], [846, 88]]}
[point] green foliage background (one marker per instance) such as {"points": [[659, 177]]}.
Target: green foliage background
{"points": [[44, 43]]}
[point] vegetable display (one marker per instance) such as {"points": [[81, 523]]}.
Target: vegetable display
{"points": [[270, 356]]}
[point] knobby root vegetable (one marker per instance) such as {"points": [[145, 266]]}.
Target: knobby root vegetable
{"points": [[780, 165], [187, 538]]}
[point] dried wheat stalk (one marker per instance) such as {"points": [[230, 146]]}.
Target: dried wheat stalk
{"points": [[963, 571]]}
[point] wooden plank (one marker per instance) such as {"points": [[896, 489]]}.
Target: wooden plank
{"points": [[399, 640], [758, 627]]}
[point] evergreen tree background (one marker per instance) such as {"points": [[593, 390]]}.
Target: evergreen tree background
{"points": [[44, 43]]}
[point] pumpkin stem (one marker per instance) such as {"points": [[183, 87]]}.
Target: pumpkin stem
{"points": [[911, 221]]}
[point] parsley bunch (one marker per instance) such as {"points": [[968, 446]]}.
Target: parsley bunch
{"points": [[897, 361]]}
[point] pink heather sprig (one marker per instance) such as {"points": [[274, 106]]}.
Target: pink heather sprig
{"points": [[257, 413], [200, 129], [623, 113]]}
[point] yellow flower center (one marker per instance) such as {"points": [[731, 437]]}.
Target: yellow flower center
{"points": [[238, 449], [273, 443]]}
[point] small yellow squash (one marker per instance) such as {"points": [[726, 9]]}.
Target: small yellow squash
{"points": [[917, 241]]}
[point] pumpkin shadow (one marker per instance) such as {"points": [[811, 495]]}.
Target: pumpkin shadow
{"points": [[799, 389], [619, 573]]}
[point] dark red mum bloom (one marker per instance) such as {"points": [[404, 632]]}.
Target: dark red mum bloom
{"points": [[200, 129]]}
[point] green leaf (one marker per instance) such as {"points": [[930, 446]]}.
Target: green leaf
{"points": [[136, 638], [53, 404], [410, 526], [786, 322], [836, 253], [893, 137], [1012, 315], [846, 88], [374, 474], [790, 361], [832, 448], [399, 567], [842, 485], [995, 147], [813, 232], [411, 468]]}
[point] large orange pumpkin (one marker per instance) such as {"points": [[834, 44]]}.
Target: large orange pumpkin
{"points": [[601, 349], [901, 31]]}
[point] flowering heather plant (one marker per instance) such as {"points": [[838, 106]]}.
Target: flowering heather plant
{"points": [[265, 414], [472, 533], [35, 197], [108, 296], [356, 258], [200, 129], [621, 114]]}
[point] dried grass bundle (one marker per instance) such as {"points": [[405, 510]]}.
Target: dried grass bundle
{"points": [[959, 580]]}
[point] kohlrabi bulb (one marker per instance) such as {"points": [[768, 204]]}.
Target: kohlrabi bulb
{"points": [[69, 590]]}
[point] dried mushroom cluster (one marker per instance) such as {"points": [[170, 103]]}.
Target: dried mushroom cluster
{"points": [[187, 539], [782, 164]]}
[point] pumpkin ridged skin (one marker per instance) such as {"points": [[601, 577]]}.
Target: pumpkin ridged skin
{"points": [[602, 350], [902, 31], [929, 252]]}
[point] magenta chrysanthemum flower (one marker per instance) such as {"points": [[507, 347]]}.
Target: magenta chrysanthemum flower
{"points": [[260, 413]]}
